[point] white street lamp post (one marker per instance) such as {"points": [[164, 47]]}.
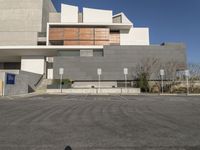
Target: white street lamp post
{"points": [[125, 75], [99, 73], [61, 72], [162, 73], [187, 74]]}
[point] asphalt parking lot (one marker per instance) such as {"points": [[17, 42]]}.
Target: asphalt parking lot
{"points": [[50, 122]]}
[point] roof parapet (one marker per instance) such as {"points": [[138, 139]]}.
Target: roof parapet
{"points": [[71, 14]]}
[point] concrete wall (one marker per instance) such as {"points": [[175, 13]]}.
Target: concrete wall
{"points": [[1, 87], [135, 36], [21, 20], [20, 15], [18, 38], [102, 91], [31, 79], [69, 13], [94, 84], [125, 20], [5, 92], [97, 16], [115, 59], [55, 17], [121, 18], [24, 82], [47, 7], [34, 64], [20, 87]]}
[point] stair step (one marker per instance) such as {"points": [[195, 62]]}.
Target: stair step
{"points": [[43, 84]]}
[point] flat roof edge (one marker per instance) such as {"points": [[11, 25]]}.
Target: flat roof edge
{"points": [[51, 47]]}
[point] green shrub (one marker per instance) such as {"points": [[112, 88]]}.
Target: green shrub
{"points": [[142, 82], [65, 82]]}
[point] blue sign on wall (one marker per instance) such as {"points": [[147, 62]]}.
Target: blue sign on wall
{"points": [[10, 78]]}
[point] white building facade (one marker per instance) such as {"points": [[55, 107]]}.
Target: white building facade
{"points": [[34, 36]]}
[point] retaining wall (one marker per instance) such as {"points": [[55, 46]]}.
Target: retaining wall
{"points": [[102, 91]]}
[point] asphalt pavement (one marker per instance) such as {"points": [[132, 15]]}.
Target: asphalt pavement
{"points": [[51, 122]]}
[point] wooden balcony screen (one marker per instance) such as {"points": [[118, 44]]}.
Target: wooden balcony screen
{"points": [[83, 36], [71, 34], [86, 34], [114, 38], [56, 34]]}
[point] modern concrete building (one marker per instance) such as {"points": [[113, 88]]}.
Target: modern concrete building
{"points": [[35, 38]]}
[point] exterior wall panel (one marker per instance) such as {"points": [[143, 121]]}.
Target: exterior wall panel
{"points": [[102, 34], [135, 36], [47, 7], [22, 17], [69, 13], [115, 38], [71, 34], [86, 34], [54, 17], [97, 16], [18, 38], [34, 64], [81, 36], [102, 43], [115, 58], [56, 34], [71, 42], [1, 87], [86, 42]]}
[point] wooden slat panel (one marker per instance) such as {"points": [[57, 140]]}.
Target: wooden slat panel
{"points": [[101, 29], [71, 33], [86, 30], [56, 34], [87, 37], [86, 42], [86, 34], [115, 38], [102, 43], [71, 42], [102, 34]]}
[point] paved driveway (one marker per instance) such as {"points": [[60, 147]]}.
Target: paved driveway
{"points": [[50, 122]]}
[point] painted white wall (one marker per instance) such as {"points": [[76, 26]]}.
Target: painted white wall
{"points": [[125, 19], [135, 36], [97, 15], [69, 13], [49, 73], [34, 64]]}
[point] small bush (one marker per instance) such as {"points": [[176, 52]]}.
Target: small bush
{"points": [[142, 82], [65, 82], [195, 90], [155, 88], [180, 90]]}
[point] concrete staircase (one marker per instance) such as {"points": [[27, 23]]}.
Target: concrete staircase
{"points": [[42, 87]]}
